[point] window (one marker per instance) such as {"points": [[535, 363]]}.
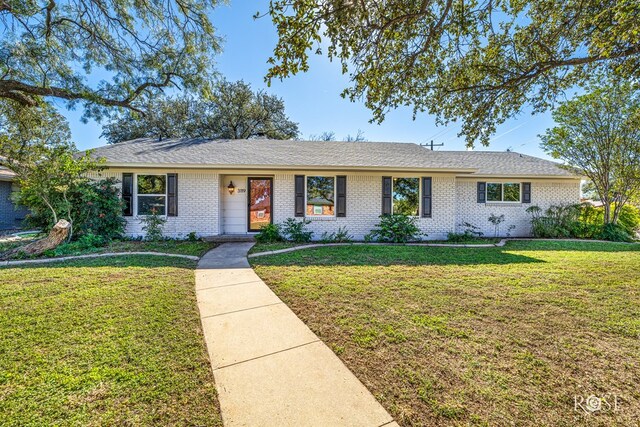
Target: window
{"points": [[503, 192], [406, 196], [152, 194], [320, 195]]}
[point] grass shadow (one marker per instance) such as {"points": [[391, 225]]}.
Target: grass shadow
{"points": [[124, 261]]}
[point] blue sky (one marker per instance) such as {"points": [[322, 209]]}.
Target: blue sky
{"points": [[313, 99]]}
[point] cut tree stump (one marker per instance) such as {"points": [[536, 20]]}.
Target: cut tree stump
{"points": [[58, 235]]}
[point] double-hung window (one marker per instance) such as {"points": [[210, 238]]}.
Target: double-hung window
{"points": [[406, 196], [320, 196], [503, 192], [152, 194]]}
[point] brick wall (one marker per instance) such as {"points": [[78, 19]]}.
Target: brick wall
{"points": [[454, 202], [364, 204], [198, 194], [543, 193]]}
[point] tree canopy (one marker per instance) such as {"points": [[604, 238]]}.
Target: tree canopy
{"points": [[49, 47], [231, 111], [599, 133], [480, 62]]}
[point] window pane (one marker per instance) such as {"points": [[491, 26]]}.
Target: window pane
{"points": [[152, 184], [494, 192], [320, 195], [512, 192], [147, 203], [406, 196]]}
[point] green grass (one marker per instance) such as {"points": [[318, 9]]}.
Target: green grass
{"points": [[266, 247], [103, 342], [183, 247], [463, 336]]}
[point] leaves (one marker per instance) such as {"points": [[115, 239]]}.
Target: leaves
{"points": [[479, 62], [230, 111], [49, 47]]}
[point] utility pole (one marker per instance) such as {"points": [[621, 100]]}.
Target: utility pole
{"points": [[431, 144]]}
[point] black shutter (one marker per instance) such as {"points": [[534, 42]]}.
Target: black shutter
{"points": [[127, 194], [341, 196], [426, 197], [482, 192], [526, 192], [172, 194], [387, 204], [299, 195]]}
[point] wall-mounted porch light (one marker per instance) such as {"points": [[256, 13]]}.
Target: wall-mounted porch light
{"points": [[231, 187]]}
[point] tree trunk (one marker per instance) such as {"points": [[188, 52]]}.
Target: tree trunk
{"points": [[57, 236]]}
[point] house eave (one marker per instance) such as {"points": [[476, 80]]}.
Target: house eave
{"points": [[286, 167], [520, 177]]}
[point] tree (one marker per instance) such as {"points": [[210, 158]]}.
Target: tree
{"points": [[331, 136], [232, 111], [599, 133], [478, 62], [49, 47], [35, 144]]}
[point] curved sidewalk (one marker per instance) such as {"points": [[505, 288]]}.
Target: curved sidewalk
{"points": [[269, 368]]}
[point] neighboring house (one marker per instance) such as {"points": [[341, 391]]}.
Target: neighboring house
{"points": [[10, 216], [236, 186]]}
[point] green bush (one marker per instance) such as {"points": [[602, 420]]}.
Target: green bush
{"points": [[395, 229], [614, 233], [270, 233], [583, 221], [85, 242], [153, 226], [340, 236], [96, 208], [295, 231]]}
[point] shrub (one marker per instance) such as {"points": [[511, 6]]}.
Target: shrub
{"points": [[340, 236], [85, 242], [295, 231], [192, 237], [153, 226], [95, 208], [614, 233], [270, 233], [471, 232], [496, 220], [396, 229], [583, 222]]}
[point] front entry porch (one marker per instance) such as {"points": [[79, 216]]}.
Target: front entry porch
{"points": [[247, 204]]}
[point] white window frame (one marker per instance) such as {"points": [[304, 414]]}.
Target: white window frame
{"points": [[306, 196], [393, 193], [165, 195], [502, 200]]}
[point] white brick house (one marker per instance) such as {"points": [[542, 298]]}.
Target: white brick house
{"points": [[234, 187]]}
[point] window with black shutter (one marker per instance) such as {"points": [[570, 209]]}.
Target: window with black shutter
{"points": [[526, 192], [387, 195], [482, 192], [299, 195], [172, 194], [341, 196], [426, 197], [127, 194]]}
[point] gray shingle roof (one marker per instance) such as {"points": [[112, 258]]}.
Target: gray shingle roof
{"points": [[321, 154]]}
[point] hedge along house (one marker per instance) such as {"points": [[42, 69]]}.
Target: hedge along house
{"points": [[11, 217], [234, 187]]}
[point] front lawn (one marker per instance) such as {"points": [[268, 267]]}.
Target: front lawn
{"points": [[485, 336], [111, 341], [182, 247]]}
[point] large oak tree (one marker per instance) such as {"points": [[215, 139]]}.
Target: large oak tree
{"points": [[103, 53], [478, 61]]}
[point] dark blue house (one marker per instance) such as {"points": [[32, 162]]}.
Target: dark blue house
{"points": [[10, 216]]}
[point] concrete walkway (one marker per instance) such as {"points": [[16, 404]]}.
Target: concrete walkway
{"points": [[269, 368]]}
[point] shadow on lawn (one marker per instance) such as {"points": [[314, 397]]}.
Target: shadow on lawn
{"points": [[122, 261], [395, 255], [568, 245]]}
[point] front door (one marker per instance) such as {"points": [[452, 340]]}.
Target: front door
{"points": [[260, 202]]}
